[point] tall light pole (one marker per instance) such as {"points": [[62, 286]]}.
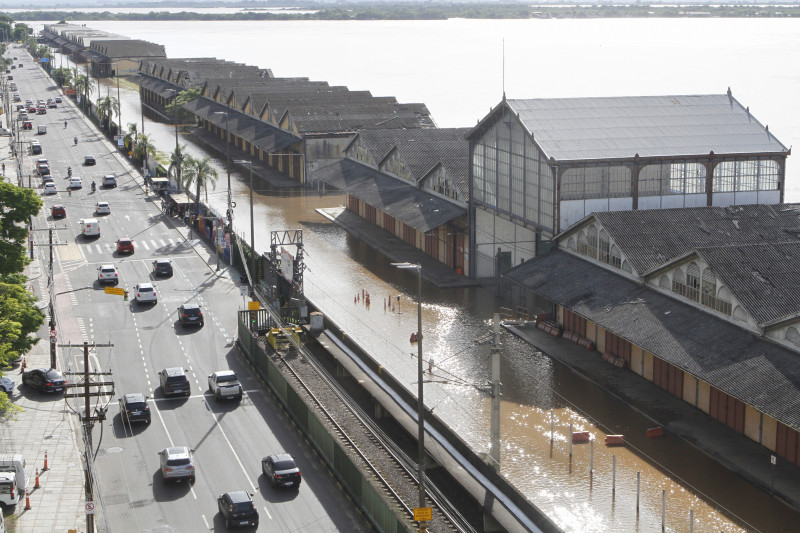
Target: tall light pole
{"points": [[228, 158], [252, 223], [420, 402]]}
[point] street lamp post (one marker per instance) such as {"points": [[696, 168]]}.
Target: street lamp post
{"points": [[252, 223], [228, 160], [420, 402]]}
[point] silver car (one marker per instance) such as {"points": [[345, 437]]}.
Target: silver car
{"points": [[177, 464]]}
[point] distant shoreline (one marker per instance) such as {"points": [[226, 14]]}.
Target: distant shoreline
{"points": [[421, 11]]}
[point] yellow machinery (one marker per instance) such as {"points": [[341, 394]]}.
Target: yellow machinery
{"points": [[278, 338]]}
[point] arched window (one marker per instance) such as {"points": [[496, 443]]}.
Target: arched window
{"points": [[792, 335], [739, 313], [709, 288], [571, 243], [693, 282], [663, 281], [591, 242]]}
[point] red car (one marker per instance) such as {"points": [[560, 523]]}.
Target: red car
{"points": [[58, 211], [125, 245]]}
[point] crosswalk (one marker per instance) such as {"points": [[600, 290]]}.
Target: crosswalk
{"points": [[91, 250]]}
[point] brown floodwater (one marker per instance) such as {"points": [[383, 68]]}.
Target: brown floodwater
{"points": [[537, 393]]}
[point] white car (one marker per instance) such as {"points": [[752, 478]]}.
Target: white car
{"points": [[49, 188], [102, 208], [6, 384], [75, 183], [107, 274], [145, 292]]}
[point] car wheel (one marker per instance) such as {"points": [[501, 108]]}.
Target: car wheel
{"points": [[217, 396], [191, 480], [155, 302], [228, 523]]}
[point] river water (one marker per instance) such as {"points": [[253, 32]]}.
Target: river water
{"points": [[456, 68]]}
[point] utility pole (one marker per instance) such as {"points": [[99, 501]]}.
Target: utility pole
{"points": [[51, 293], [88, 419]]}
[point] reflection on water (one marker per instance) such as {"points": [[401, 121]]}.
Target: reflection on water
{"points": [[535, 391]]}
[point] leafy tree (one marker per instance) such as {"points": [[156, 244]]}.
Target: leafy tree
{"points": [[22, 31], [201, 174], [17, 205], [20, 319], [62, 75]]}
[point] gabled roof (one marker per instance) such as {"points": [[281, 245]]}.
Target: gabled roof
{"points": [[649, 238], [758, 372], [419, 209], [765, 278], [421, 149], [128, 48], [574, 129]]}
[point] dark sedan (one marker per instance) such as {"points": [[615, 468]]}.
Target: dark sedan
{"points": [[162, 267], [133, 408], [44, 380], [281, 470]]}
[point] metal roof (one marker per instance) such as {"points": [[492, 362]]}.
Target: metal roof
{"points": [[649, 238], [422, 149], [260, 134], [765, 278], [756, 371], [405, 202], [571, 129]]}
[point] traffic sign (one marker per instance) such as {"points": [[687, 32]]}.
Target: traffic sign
{"points": [[423, 514], [89, 507], [115, 290]]}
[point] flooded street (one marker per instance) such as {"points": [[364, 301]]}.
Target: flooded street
{"points": [[536, 391]]}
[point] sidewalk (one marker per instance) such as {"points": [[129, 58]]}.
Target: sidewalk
{"points": [[727, 447], [45, 428]]}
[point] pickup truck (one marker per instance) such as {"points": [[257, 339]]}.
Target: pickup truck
{"points": [[225, 385]]}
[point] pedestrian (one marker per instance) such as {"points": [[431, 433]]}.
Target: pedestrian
{"points": [[4, 168]]}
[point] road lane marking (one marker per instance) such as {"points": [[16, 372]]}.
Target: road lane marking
{"points": [[233, 451], [144, 243], [162, 242], [155, 244]]}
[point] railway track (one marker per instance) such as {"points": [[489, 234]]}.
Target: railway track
{"points": [[389, 467]]}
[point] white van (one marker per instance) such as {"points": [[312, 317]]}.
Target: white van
{"points": [[15, 465], [90, 227], [9, 491]]}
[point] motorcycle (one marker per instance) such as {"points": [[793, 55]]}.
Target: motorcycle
{"points": [[94, 187], [76, 140], [69, 172]]}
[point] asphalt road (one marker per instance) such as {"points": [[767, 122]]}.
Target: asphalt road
{"points": [[229, 439]]}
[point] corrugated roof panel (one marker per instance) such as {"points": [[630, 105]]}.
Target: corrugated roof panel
{"points": [[571, 129]]}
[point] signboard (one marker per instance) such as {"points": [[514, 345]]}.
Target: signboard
{"points": [[115, 290], [89, 507], [287, 265], [423, 514], [253, 306], [44, 60]]}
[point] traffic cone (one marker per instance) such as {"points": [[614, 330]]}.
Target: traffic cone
{"points": [[27, 500], [37, 479], [45, 461]]}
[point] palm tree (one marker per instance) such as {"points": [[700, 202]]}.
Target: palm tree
{"points": [[201, 174], [143, 148], [132, 135], [177, 159], [106, 107]]}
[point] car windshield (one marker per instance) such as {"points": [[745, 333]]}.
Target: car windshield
{"points": [[182, 461], [136, 406], [53, 375], [109, 270], [225, 379], [102, 205], [124, 241], [194, 312], [145, 289], [284, 465], [177, 379]]}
